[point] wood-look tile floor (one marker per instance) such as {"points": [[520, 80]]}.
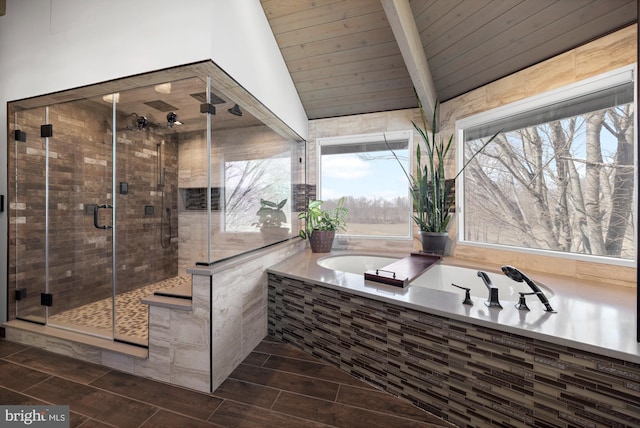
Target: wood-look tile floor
{"points": [[275, 386]]}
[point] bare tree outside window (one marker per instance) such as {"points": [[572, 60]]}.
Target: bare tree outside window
{"points": [[566, 185]]}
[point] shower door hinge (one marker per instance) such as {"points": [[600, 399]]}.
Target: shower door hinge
{"points": [[20, 135], [20, 293], [46, 299]]}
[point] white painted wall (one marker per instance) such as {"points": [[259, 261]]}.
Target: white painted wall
{"points": [[244, 46], [54, 45]]}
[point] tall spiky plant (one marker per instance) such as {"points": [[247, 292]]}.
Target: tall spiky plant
{"points": [[431, 191]]}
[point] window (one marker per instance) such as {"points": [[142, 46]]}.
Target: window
{"points": [[560, 176], [364, 171]]}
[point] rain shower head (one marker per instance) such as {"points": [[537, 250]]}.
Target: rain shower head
{"points": [[235, 110], [135, 122]]}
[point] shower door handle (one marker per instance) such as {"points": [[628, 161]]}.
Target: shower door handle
{"points": [[95, 217]]}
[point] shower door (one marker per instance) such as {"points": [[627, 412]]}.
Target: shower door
{"points": [[94, 204], [60, 174], [27, 207], [80, 217]]}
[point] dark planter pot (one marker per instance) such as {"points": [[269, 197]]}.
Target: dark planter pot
{"points": [[321, 240], [434, 242]]}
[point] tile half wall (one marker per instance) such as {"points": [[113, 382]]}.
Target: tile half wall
{"points": [[466, 374]]}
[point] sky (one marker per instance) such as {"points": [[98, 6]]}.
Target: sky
{"points": [[353, 175]]}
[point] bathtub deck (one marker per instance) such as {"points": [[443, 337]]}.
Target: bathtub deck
{"points": [[590, 316]]}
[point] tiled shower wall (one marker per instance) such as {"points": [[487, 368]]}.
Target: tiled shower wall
{"points": [[80, 178], [469, 375]]}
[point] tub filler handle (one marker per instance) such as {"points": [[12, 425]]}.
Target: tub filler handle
{"points": [[522, 301], [467, 294]]}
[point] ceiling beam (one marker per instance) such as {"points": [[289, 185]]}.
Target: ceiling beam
{"points": [[405, 31]]}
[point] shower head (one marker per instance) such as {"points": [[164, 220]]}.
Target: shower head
{"points": [[518, 276], [235, 110], [172, 119], [513, 273], [141, 123]]}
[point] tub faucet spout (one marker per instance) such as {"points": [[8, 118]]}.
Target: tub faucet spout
{"points": [[518, 276], [493, 301]]}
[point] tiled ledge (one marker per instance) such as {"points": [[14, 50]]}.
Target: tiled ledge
{"points": [[15, 328], [184, 291], [177, 303]]}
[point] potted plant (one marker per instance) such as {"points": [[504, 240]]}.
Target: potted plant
{"points": [[271, 217], [320, 225], [432, 192]]}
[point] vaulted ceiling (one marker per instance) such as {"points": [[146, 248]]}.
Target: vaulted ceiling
{"points": [[358, 56]]}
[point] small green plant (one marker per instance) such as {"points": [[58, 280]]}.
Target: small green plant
{"points": [[270, 214], [315, 218]]}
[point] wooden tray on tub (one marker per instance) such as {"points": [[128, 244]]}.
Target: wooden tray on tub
{"points": [[400, 273]]}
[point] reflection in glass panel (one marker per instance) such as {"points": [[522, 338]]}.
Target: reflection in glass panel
{"points": [[257, 194], [255, 165]]}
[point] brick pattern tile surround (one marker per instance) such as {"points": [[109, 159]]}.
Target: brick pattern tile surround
{"points": [[79, 178], [466, 374]]}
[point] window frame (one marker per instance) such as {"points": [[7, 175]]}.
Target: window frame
{"points": [[376, 137], [600, 82]]}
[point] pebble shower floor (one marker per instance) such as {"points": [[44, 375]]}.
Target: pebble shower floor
{"points": [[132, 315]]}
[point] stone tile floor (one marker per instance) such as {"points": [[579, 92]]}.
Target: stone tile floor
{"points": [[277, 385]]}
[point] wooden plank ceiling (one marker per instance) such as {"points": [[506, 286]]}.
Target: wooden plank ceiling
{"points": [[344, 59]]}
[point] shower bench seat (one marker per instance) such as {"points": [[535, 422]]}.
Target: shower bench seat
{"points": [[177, 303], [178, 297]]}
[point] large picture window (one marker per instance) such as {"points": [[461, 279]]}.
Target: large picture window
{"points": [[560, 176], [363, 170]]}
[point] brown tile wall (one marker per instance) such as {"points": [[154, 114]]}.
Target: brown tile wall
{"points": [[79, 174], [469, 375]]}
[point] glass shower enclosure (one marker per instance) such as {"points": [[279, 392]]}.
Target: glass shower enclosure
{"points": [[117, 189]]}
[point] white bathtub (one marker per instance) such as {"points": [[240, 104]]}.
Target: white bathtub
{"points": [[439, 276]]}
